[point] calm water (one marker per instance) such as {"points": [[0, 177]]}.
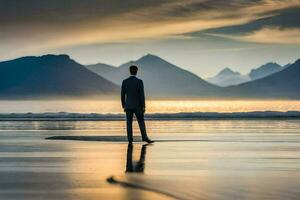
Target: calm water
{"points": [[228, 159], [80, 106]]}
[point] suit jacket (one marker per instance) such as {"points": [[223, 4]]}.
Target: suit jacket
{"points": [[132, 93]]}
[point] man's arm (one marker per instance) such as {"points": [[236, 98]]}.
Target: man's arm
{"points": [[123, 94], [142, 96]]}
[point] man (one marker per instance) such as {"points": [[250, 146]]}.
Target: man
{"points": [[133, 102]]}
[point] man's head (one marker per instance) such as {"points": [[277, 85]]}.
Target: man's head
{"points": [[133, 69]]}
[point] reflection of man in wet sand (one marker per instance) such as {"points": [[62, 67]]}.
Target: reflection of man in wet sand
{"points": [[135, 166]]}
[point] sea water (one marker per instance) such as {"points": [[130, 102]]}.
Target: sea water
{"points": [[195, 159]]}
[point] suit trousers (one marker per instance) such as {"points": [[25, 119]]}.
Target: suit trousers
{"points": [[140, 118]]}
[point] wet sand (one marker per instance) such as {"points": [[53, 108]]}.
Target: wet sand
{"points": [[230, 159]]}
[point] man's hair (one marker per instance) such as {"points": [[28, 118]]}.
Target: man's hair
{"points": [[133, 69]]}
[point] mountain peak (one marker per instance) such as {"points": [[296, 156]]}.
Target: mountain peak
{"points": [[268, 66], [265, 70], [150, 57], [151, 60], [271, 64], [228, 71], [59, 57], [227, 77]]}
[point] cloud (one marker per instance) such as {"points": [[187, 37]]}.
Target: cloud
{"points": [[40, 25], [286, 18], [277, 27], [271, 35]]}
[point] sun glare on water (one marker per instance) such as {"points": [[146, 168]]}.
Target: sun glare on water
{"points": [[157, 106]]}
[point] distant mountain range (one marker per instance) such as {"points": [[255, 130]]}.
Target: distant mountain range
{"points": [[161, 78], [227, 77], [284, 84], [264, 70], [60, 76], [49, 76]]}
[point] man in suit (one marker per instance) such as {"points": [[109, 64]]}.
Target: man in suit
{"points": [[133, 102]]}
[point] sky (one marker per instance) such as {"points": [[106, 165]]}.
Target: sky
{"points": [[202, 36]]}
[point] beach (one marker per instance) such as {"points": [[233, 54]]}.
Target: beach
{"points": [[193, 159]]}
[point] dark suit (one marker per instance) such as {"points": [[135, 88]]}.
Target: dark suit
{"points": [[133, 101]]}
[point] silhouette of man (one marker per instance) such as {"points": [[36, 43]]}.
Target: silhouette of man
{"points": [[133, 102], [135, 166]]}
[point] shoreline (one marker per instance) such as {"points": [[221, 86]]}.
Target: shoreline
{"points": [[64, 116]]}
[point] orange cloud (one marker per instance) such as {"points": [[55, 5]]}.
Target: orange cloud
{"points": [[272, 35]]}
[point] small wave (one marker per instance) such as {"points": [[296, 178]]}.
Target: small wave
{"points": [[154, 116]]}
